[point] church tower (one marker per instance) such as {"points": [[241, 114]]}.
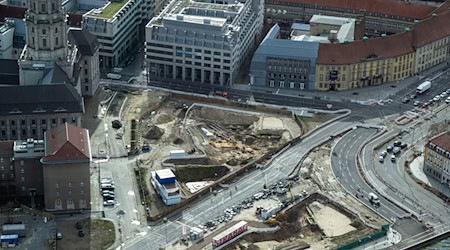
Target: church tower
{"points": [[46, 31]]}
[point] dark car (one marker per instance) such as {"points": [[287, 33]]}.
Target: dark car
{"points": [[78, 225], [389, 148], [81, 233], [397, 143], [403, 145]]}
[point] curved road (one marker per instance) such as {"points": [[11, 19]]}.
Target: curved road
{"points": [[212, 206], [343, 162]]}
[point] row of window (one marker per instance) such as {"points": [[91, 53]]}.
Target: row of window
{"points": [[283, 84], [33, 121]]}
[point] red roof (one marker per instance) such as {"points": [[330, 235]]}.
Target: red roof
{"points": [[395, 45], [389, 7], [6, 148], [11, 11], [67, 143], [432, 29], [442, 141]]}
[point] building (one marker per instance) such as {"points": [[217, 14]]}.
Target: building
{"points": [[46, 47], [282, 63], [116, 26], [28, 169], [364, 63], [66, 171], [432, 44], [30, 111], [378, 16], [7, 176], [437, 158], [202, 42], [9, 72], [88, 61], [6, 39], [166, 185]]}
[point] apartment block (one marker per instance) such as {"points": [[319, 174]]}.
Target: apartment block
{"points": [[166, 186], [202, 42]]}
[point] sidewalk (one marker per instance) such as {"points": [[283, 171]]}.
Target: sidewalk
{"points": [[380, 92]]}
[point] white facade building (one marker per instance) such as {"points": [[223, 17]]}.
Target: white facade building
{"points": [[116, 26], [200, 41]]}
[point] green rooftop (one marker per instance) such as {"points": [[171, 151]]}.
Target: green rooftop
{"points": [[112, 8]]}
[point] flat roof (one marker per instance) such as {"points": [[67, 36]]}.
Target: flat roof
{"points": [[332, 20], [108, 11], [165, 173]]}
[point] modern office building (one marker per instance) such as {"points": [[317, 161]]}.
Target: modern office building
{"points": [[6, 39], [116, 26], [437, 158], [66, 171], [378, 16], [203, 42], [166, 185], [30, 111], [284, 63]]}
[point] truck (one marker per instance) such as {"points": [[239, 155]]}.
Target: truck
{"points": [[18, 229], [229, 234], [373, 198], [113, 76], [423, 87]]}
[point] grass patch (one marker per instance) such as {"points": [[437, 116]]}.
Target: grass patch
{"points": [[112, 9], [200, 173], [103, 234]]}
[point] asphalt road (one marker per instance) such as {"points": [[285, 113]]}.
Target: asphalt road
{"points": [[343, 162], [211, 206]]}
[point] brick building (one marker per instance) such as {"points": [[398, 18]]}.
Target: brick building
{"points": [[437, 158]]}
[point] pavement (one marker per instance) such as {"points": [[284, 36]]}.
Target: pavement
{"points": [[416, 167]]}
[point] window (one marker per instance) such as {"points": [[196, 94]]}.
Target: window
{"points": [[58, 202], [53, 121], [43, 121], [64, 120], [271, 83], [33, 122], [81, 184], [13, 123], [32, 40], [22, 171], [69, 184], [56, 41], [22, 179], [43, 7], [21, 163], [44, 42], [85, 62], [53, 10], [32, 29], [57, 193], [22, 122], [86, 80], [57, 185], [85, 71], [86, 88], [44, 31]]}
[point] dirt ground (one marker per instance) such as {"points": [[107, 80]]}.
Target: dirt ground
{"points": [[338, 226], [71, 240], [103, 234]]}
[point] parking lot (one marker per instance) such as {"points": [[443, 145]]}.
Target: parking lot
{"points": [[72, 239]]}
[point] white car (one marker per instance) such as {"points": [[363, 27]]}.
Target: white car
{"points": [[437, 98], [108, 203], [444, 94], [447, 100]]}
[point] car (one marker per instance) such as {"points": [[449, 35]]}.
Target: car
{"points": [[258, 196], [78, 225], [396, 150], [397, 143], [447, 100], [389, 149], [448, 91], [381, 159], [393, 159], [443, 94], [416, 103], [107, 192], [383, 154], [59, 236], [373, 198], [405, 100], [108, 197], [403, 145], [412, 96], [81, 233], [108, 203], [437, 98]]}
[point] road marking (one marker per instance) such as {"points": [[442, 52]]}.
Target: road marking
{"points": [[351, 186], [350, 174]]}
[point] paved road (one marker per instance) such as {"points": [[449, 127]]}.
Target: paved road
{"points": [[211, 206], [343, 162]]}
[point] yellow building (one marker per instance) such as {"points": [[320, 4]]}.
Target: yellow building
{"points": [[365, 63]]}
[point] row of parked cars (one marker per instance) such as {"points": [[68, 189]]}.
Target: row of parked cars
{"points": [[394, 150], [107, 189]]}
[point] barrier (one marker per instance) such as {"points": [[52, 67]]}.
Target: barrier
{"points": [[365, 240]]}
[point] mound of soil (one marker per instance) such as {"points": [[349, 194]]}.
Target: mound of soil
{"points": [[225, 117], [154, 133], [163, 118], [178, 141]]}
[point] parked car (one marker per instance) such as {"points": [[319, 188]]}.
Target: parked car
{"points": [[416, 103], [59, 236], [81, 233], [397, 143], [383, 154], [405, 100], [381, 159], [393, 159], [447, 100], [78, 225], [108, 203], [396, 150], [389, 149], [403, 145]]}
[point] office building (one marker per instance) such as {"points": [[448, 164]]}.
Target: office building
{"points": [[202, 42], [437, 158], [116, 26], [284, 63]]}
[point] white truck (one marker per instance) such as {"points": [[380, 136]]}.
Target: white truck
{"points": [[113, 76], [423, 87]]}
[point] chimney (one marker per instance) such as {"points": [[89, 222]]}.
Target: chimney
{"points": [[359, 28]]}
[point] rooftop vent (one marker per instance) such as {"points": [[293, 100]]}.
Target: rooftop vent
{"points": [[433, 15], [365, 38], [407, 29], [207, 21], [180, 17], [416, 21], [383, 35], [346, 42]]}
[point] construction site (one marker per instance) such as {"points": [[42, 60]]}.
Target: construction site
{"points": [[203, 141]]}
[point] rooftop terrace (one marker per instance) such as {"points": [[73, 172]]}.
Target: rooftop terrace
{"points": [[109, 10]]}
